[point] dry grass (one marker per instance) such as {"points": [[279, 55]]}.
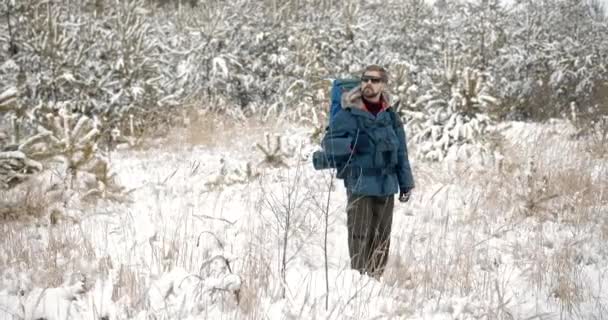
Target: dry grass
{"points": [[469, 225], [471, 222], [130, 285], [213, 130], [26, 202], [48, 253], [560, 190], [256, 272], [565, 280], [202, 130]]}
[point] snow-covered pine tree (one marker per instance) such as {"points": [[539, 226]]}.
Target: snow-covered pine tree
{"points": [[15, 164], [455, 123], [554, 57]]}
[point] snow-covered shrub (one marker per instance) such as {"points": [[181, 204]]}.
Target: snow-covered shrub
{"points": [[16, 163], [274, 152], [72, 137], [103, 61], [454, 123], [16, 167], [230, 174], [65, 136], [137, 59], [533, 192], [179, 294], [544, 80], [68, 134], [553, 58], [136, 64]]}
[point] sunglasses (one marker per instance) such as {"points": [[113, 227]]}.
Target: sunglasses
{"points": [[365, 79]]}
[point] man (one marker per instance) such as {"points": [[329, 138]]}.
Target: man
{"points": [[367, 142]]}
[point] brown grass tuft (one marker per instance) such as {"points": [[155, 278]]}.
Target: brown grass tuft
{"points": [[25, 202]]}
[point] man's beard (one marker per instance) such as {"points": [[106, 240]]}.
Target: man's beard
{"points": [[369, 93]]}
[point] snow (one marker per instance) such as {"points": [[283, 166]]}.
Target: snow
{"points": [[515, 230], [184, 250]]}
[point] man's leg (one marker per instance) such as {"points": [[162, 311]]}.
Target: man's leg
{"points": [[359, 218], [382, 221]]}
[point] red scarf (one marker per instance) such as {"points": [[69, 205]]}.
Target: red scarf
{"points": [[374, 107]]}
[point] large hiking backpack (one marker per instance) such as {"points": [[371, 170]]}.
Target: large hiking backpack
{"points": [[339, 87]]}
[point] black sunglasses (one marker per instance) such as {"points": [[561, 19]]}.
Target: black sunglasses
{"points": [[365, 79]]}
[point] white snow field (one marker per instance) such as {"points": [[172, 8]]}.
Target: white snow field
{"points": [[524, 238]]}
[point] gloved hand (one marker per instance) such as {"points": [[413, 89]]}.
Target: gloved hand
{"points": [[404, 195]]}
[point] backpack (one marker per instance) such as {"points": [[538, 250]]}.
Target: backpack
{"points": [[339, 87]]}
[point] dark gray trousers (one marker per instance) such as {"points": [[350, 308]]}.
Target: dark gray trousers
{"points": [[369, 232]]}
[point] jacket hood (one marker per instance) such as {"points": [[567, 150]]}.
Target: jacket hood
{"points": [[353, 99]]}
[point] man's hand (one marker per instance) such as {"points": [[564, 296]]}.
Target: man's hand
{"points": [[404, 195]]}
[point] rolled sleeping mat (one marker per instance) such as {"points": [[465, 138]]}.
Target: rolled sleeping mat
{"points": [[337, 147]]}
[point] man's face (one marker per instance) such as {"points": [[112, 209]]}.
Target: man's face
{"points": [[371, 84]]}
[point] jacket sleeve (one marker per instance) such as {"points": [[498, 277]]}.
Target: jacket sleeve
{"points": [[404, 171]]}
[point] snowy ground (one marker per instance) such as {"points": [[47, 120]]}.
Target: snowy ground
{"points": [[201, 240]]}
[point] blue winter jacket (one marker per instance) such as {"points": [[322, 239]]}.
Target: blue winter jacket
{"points": [[371, 151]]}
